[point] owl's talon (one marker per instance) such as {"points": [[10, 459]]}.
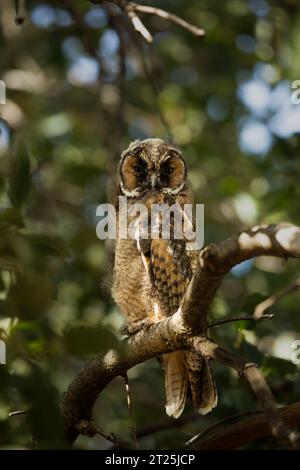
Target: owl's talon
{"points": [[124, 330], [132, 328], [146, 323]]}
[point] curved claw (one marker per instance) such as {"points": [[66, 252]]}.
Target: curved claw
{"points": [[129, 329]]}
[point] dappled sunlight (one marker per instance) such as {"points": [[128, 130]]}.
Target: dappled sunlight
{"points": [[289, 239], [249, 241], [81, 82]]}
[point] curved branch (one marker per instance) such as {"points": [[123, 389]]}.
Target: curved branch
{"points": [[186, 329], [77, 403], [246, 431], [282, 240]]}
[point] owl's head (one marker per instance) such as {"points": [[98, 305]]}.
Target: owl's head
{"points": [[151, 165]]}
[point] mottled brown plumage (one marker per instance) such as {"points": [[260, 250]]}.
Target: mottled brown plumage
{"points": [[151, 275]]}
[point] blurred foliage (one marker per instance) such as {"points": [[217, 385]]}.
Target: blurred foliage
{"points": [[69, 111]]}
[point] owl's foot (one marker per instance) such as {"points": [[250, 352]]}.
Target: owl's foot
{"points": [[129, 329]]}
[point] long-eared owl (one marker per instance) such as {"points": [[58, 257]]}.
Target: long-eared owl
{"points": [[151, 274]]}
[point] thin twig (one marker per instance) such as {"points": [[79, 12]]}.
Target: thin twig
{"points": [[267, 316], [82, 30], [169, 17], [215, 426], [166, 425], [154, 90], [131, 8], [129, 407], [88, 428], [266, 399], [20, 6], [92, 49], [138, 25], [115, 18], [250, 372], [109, 437], [119, 117], [246, 430], [270, 301], [18, 413]]}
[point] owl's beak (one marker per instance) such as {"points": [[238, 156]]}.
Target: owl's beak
{"points": [[153, 179]]}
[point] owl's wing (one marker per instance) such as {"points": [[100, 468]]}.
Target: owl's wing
{"points": [[170, 268], [170, 273], [167, 262]]}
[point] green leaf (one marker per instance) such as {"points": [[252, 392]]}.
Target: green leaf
{"points": [[48, 245], [8, 258], [82, 340], [20, 178], [251, 352], [29, 297], [2, 184], [248, 306], [11, 217], [278, 367]]}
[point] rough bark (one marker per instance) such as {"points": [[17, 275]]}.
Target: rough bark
{"points": [[186, 329]]}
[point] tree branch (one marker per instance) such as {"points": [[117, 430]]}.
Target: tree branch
{"points": [[148, 74], [17, 413], [260, 309], [282, 240], [137, 24], [241, 318], [79, 399], [186, 330], [220, 424], [20, 6], [169, 17], [246, 431], [130, 9], [130, 412]]}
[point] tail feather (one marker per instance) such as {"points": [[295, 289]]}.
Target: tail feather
{"points": [[188, 370], [176, 382], [201, 382]]}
